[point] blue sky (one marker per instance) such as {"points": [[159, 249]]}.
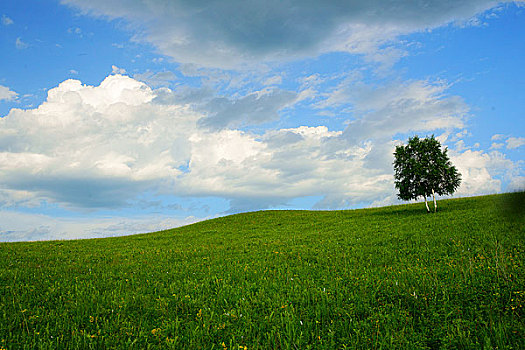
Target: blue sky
{"points": [[130, 116]]}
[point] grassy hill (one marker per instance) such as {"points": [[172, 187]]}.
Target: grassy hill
{"points": [[393, 277]]}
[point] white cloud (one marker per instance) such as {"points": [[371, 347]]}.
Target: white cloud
{"points": [[104, 146], [101, 146], [402, 107], [510, 141], [20, 45], [6, 94], [482, 172], [460, 145], [117, 70], [515, 142], [227, 34], [6, 21], [462, 133]]}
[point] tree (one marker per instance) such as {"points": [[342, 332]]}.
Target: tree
{"points": [[422, 169]]}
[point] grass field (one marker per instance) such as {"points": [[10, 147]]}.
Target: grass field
{"points": [[384, 278]]}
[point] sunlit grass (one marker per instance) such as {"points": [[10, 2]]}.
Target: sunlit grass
{"points": [[392, 277]]}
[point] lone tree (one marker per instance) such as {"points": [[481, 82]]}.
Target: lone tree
{"points": [[422, 169]]}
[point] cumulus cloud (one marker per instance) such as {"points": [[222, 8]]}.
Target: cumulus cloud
{"points": [[482, 172], [6, 94], [228, 33], [101, 146], [92, 147]]}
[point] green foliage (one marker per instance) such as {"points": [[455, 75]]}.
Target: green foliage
{"points": [[421, 167], [387, 278]]}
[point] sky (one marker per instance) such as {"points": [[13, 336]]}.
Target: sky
{"points": [[130, 116]]}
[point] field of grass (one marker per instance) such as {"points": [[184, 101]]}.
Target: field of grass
{"points": [[384, 278]]}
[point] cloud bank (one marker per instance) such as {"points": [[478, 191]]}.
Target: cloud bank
{"points": [[94, 147], [227, 34]]}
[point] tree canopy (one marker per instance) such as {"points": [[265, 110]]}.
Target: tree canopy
{"points": [[423, 169]]}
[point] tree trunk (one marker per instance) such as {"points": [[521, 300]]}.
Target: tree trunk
{"points": [[435, 203], [426, 204]]}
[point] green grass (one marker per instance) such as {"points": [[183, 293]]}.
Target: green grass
{"points": [[383, 278]]}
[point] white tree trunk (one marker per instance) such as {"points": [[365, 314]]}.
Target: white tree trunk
{"points": [[435, 203], [426, 204]]}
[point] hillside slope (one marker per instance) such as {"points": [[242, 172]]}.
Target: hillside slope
{"points": [[393, 277]]}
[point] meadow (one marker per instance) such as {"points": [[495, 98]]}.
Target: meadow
{"points": [[382, 278]]}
